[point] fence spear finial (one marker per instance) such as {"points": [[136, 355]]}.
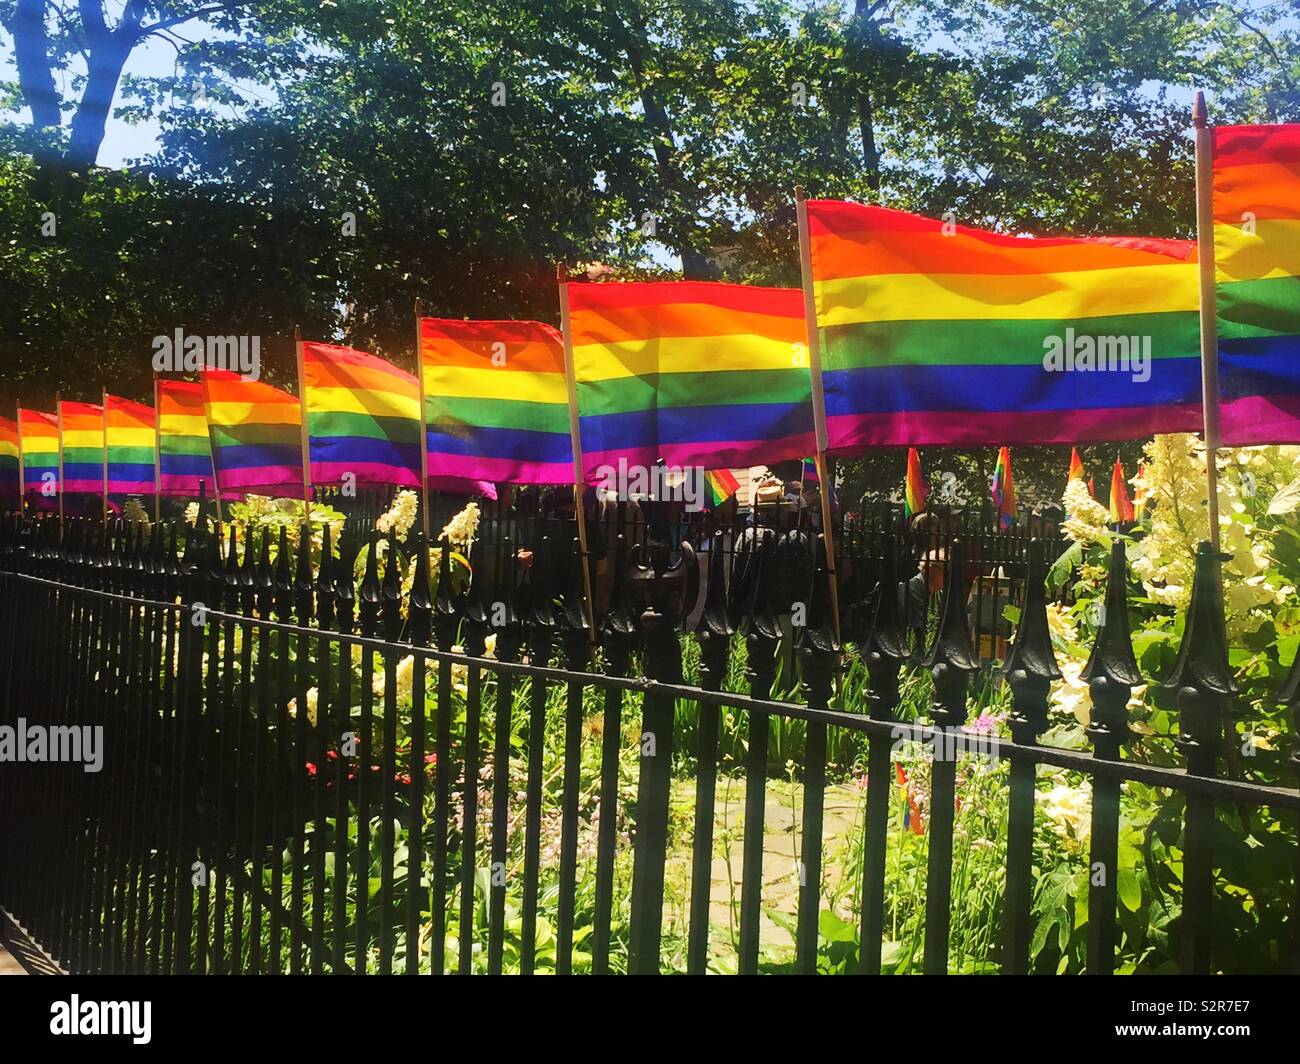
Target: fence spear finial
{"points": [[1112, 672], [1031, 666], [1202, 676]]}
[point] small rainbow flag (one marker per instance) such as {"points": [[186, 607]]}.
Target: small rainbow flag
{"points": [[1004, 489], [941, 334], [256, 435], [1257, 264], [363, 417], [697, 373], [184, 447], [915, 488], [1121, 509], [81, 427], [496, 401], [39, 433], [1076, 465], [9, 458], [722, 485], [129, 439]]}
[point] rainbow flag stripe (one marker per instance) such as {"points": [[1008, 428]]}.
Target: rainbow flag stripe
{"points": [[40, 442], [1257, 268], [696, 373], [9, 481], [129, 438], [940, 334], [82, 427], [496, 402], [184, 448], [256, 435], [363, 418]]}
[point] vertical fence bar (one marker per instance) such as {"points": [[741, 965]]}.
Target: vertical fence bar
{"points": [[1205, 688], [884, 647], [1030, 671], [951, 662], [714, 633]]}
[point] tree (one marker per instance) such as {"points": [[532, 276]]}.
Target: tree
{"points": [[47, 35]]}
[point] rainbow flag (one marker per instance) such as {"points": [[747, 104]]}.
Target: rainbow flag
{"points": [[1257, 266], [256, 435], [184, 448], [1076, 465], [696, 373], [82, 439], [1121, 509], [915, 489], [9, 458], [39, 433], [129, 440], [1004, 489], [363, 417], [940, 334], [722, 485], [496, 403]]}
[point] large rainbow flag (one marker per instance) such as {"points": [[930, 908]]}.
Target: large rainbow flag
{"points": [[696, 373], [184, 447], [82, 440], [1257, 267], [496, 402], [39, 433], [129, 439], [934, 333], [363, 417], [9, 458], [256, 435]]}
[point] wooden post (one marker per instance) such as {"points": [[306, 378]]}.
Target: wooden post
{"points": [[813, 340], [157, 456], [58, 420], [22, 471], [212, 446], [103, 420], [424, 426], [1209, 303], [302, 431], [575, 436]]}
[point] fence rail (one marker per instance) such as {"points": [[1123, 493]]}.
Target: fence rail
{"points": [[307, 773]]}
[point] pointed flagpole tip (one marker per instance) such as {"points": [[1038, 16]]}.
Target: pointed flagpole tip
{"points": [[297, 334], [561, 274], [1200, 112], [799, 194], [419, 307]]}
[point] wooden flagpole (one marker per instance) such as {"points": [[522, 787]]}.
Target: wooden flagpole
{"points": [[58, 417], [1209, 303], [157, 455], [22, 471], [212, 446], [424, 426], [103, 418], [302, 433], [818, 398], [575, 436]]}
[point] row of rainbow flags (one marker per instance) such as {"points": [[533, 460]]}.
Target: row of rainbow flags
{"points": [[907, 331]]}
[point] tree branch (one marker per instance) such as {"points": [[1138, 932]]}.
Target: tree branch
{"points": [[32, 58]]}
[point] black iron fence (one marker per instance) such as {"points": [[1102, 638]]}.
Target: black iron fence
{"points": [[305, 772]]}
